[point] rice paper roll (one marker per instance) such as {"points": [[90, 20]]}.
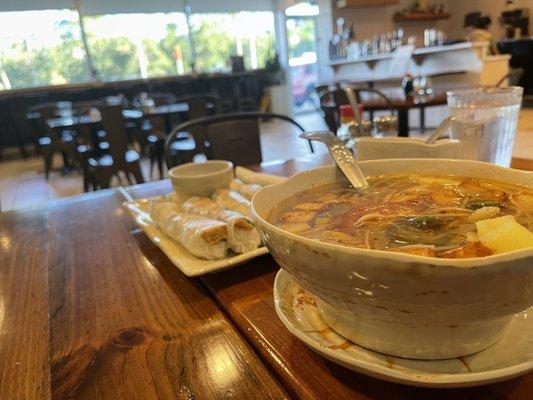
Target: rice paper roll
{"points": [[247, 190], [242, 235], [203, 237], [232, 200]]}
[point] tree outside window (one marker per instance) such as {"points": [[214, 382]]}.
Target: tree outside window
{"points": [[50, 56]]}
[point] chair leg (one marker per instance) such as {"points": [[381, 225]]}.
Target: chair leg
{"points": [[86, 180], [135, 169], [128, 177], [47, 156], [101, 179], [160, 164], [159, 156], [152, 156], [422, 119]]}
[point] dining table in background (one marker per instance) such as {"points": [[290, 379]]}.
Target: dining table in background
{"points": [[402, 104], [76, 121], [91, 308], [167, 112]]}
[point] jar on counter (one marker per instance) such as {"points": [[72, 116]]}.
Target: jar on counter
{"points": [[350, 128]]}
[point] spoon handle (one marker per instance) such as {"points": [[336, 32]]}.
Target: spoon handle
{"points": [[437, 133], [345, 161], [343, 157]]}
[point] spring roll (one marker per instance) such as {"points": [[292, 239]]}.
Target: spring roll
{"points": [[203, 237], [242, 235], [247, 190], [234, 201]]}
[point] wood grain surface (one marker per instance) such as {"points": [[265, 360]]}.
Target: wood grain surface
{"points": [[24, 329], [91, 309], [245, 294]]}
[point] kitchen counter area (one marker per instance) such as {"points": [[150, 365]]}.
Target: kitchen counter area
{"points": [[448, 65]]}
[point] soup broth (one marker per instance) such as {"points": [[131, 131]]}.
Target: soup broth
{"points": [[430, 215]]}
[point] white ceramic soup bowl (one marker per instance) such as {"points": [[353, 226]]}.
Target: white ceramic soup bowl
{"points": [[401, 304], [201, 179], [369, 148]]}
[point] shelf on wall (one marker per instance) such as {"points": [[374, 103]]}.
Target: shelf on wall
{"points": [[364, 3], [421, 17]]}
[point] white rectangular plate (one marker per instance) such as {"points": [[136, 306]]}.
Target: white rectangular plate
{"points": [[181, 258]]}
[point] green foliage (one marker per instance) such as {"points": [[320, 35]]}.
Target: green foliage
{"points": [[303, 35], [48, 66], [214, 44], [115, 58]]}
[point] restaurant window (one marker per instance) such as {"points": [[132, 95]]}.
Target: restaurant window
{"points": [[217, 36], [131, 46], [40, 48]]}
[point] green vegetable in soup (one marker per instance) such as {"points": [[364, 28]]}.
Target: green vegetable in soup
{"points": [[433, 211], [424, 222], [475, 204]]}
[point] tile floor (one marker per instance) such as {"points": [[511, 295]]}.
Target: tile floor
{"points": [[22, 182]]}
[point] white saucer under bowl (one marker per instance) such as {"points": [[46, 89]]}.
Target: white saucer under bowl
{"points": [[511, 356]]}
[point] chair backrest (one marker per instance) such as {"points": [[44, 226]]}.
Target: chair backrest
{"points": [[332, 99], [233, 137], [330, 102], [236, 141], [46, 111], [199, 104], [114, 124], [159, 98], [512, 78], [162, 98], [83, 107]]}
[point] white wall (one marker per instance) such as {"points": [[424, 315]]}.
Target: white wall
{"points": [[325, 33]]}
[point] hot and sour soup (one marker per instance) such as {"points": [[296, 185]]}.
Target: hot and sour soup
{"points": [[429, 215]]}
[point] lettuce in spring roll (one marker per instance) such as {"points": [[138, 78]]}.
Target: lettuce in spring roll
{"points": [[231, 200], [203, 237], [247, 190], [242, 235]]}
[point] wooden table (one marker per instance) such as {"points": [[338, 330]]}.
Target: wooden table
{"points": [[402, 105], [90, 308], [166, 111], [398, 102], [87, 120]]}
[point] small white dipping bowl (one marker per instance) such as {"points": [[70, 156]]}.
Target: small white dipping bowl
{"points": [[402, 304], [201, 179]]}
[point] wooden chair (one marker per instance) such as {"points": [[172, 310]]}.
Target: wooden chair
{"points": [[120, 157], [233, 137]]}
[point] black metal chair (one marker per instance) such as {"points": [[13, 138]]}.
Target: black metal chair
{"points": [[200, 105], [332, 98], [151, 132], [120, 157], [512, 78], [233, 137], [51, 141]]}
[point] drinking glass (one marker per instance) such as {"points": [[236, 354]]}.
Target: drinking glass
{"points": [[486, 122]]}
